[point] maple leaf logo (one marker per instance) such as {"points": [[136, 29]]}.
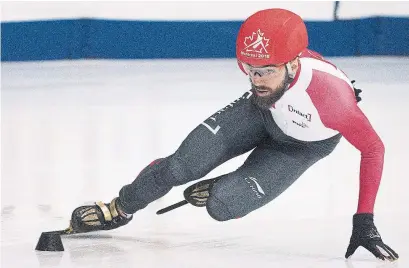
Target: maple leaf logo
{"points": [[256, 42]]}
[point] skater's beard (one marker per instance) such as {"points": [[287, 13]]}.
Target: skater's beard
{"points": [[266, 102]]}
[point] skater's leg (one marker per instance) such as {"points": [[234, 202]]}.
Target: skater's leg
{"points": [[268, 171], [232, 131]]}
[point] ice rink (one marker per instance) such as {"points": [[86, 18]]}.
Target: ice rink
{"points": [[74, 132]]}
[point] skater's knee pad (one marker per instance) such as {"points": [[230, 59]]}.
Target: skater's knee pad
{"points": [[180, 171], [172, 171], [216, 208]]}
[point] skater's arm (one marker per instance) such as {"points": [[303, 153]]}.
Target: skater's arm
{"points": [[338, 110]]}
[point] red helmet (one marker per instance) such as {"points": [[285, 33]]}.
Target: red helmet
{"points": [[271, 37]]}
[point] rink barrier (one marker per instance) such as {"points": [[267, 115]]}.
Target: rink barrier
{"points": [[118, 39]]}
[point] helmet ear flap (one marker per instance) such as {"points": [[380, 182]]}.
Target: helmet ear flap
{"points": [[241, 67]]}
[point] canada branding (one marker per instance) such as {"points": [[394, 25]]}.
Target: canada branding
{"points": [[256, 46]]}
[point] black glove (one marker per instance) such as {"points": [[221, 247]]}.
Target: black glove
{"points": [[357, 92], [365, 234], [197, 194]]}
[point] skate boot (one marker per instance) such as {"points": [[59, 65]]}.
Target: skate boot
{"points": [[97, 217]]}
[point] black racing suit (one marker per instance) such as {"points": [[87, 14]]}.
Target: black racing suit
{"points": [[275, 163]]}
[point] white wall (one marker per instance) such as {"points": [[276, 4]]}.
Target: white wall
{"points": [[155, 10]]}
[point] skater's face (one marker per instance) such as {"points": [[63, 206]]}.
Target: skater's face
{"points": [[268, 83]]}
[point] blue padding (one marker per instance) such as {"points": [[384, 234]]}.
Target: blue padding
{"points": [[112, 39], [335, 38], [143, 39], [41, 40], [393, 37]]}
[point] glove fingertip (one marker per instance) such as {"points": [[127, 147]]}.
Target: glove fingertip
{"points": [[351, 249], [348, 254], [382, 258]]}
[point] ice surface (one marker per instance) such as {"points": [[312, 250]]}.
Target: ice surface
{"points": [[73, 132]]}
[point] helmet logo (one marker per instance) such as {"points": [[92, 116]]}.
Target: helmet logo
{"points": [[256, 43]]}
